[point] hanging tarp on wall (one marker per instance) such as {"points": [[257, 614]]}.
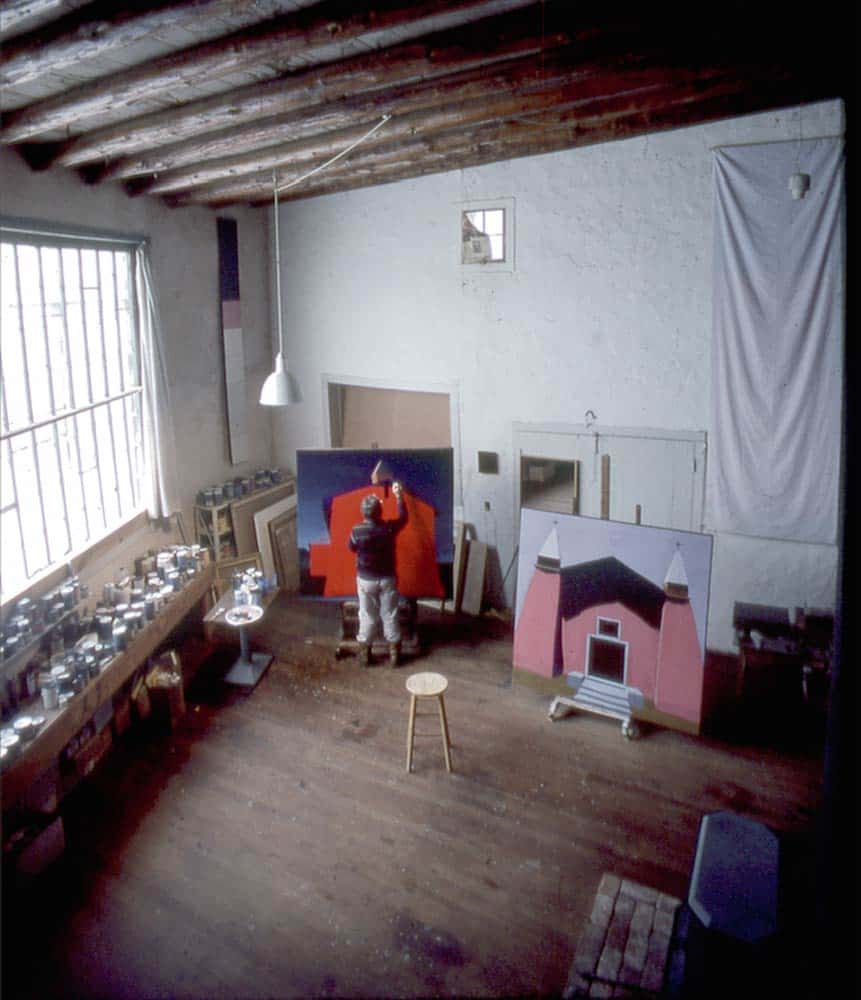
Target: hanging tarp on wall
{"points": [[777, 351]]}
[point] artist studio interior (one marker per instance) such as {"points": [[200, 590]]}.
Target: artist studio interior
{"points": [[424, 500]]}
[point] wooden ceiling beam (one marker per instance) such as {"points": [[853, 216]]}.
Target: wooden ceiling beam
{"points": [[487, 82], [513, 35], [496, 103], [20, 16], [549, 130], [97, 30], [545, 138], [274, 43]]}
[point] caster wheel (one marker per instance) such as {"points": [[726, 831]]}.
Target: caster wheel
{"points": [[631, 729]]}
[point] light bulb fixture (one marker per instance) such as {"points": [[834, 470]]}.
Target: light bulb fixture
{"points": [[799, 185], [281, 388]]}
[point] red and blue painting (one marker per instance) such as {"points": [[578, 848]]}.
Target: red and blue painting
{"points": [[330, 487]]}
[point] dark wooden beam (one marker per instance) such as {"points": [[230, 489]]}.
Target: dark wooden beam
{"points": [[508, 36], [97, 30], [19, 16], [496, 104], [623, 116], [272, 43], [260, 138]]}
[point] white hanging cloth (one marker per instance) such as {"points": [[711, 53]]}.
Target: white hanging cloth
{"points": [[777, 345]]}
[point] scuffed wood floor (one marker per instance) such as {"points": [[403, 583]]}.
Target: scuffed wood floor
{"points": [[274, 845]]}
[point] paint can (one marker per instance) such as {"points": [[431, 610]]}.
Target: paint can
{"points": [[50, 691], [104, 627], [71, 631], [120, 637]]}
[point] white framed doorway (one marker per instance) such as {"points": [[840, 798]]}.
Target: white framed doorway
{"points": [[371, 413]]}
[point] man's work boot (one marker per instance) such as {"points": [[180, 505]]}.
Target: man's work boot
{"points": [[364, 654], [394, 654]]}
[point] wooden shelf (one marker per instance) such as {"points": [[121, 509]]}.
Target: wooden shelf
{"points": [[62, 724]]}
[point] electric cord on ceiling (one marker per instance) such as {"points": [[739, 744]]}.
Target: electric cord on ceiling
{"points": [[337, 156]]}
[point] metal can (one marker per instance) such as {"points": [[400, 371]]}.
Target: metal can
{"points": [[120, 637], [50, 692]]}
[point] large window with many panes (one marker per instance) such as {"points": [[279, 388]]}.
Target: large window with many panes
{"points": [[71, 441]]}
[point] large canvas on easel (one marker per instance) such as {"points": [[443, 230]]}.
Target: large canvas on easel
{"points": [[330, 486], [625, 602]]}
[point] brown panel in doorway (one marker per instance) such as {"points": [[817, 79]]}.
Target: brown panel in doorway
{"points": [[394, 418]]}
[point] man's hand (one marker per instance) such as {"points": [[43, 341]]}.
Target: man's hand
{"points": [[397, 490]]}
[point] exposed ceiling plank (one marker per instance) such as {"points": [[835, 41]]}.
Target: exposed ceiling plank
{"points": [[95, 31], [18, 16], [548, 131], [508, 36], [231, 92], [494, 102], [518, 76], [272, 43]]}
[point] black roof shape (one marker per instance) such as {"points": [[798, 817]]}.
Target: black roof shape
{"points": [[601, 581]]}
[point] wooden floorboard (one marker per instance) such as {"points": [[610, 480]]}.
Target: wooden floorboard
{"points": [[273, 845]]}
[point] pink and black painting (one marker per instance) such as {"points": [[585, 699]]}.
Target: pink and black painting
{"points": [[618, 604]]}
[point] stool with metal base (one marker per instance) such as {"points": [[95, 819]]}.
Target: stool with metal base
{"points": [[250, 667], [427, 685]]}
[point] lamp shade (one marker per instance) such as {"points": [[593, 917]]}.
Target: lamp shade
{"points": [[281, 388]]}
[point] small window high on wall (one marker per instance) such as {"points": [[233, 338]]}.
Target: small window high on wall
{"points": [[487, 235]]}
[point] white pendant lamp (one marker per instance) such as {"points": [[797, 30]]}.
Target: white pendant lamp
{"points": [[281, 388]]}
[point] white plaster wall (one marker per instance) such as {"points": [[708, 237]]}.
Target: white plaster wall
{"points": [[185, 267], [608, 309]]}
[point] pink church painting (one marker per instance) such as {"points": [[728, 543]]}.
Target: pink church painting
{"points": [[615, 613]]}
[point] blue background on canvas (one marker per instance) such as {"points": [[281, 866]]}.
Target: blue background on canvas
{"points": [[425, 473]]}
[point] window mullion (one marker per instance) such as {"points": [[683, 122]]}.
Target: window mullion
{"points": [[123, 377], [93, 428], [22, 537], [73, 419], [24, 356], [116, 484], [26, 360], [55, 433]]}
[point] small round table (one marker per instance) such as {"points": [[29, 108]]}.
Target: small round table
{"points": [[427, 685], [250, 667]]}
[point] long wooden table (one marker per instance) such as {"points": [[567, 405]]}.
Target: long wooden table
{"points": [[63, 723]]}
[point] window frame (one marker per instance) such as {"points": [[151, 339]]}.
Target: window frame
{"points": [[507, 264], [127, 438]]}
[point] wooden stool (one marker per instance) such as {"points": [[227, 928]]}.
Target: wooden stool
{"points": [[427, 685]]}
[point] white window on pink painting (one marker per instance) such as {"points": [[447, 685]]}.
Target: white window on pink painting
{"points": [[607, 658], [610, 627]]}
